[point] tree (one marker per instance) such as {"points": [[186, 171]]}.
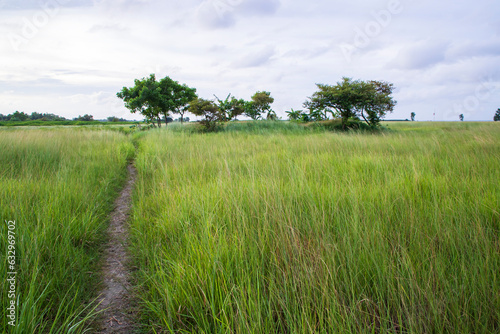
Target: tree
{"points": [[209, 110], [262, 104], [34, 116], [496, 118], [84, 118], [251, 110], [231, 107], [138, 98], [175, 97], [461, 117], [413, 116], [318, 111], [154, 99], [294, 115], [370, 100], [19, 117]]}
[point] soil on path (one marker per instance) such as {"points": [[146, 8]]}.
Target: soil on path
{"points": [[115, 300]]}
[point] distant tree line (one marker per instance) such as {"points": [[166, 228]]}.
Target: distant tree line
{"points": [[351, 101], [22, 117], [35, 116]]}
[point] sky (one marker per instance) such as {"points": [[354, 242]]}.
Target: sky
{"points": [[71, 57]]}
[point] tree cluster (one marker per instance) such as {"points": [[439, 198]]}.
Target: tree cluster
{"points": [[215, 112], [349, 100], [84, 118], [156, 99], [496, 118], [21, 117], [116, 119]]}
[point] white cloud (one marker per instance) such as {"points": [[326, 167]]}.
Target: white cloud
{"points": [[437, 54], [420, 55]]}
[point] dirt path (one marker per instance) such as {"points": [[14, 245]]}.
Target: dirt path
{"points": [[116, 275]]}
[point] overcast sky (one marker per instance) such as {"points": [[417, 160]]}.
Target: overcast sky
{"points": [[71, 57]]}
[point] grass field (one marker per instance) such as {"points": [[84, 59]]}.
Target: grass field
{"points": [[263, 228], [58, 186], [243, 232]]}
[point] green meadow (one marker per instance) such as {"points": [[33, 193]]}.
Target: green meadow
{"points": [[267, 227], [303, 232]]}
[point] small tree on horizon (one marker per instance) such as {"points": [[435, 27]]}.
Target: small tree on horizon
{"points": [[260, 104], [209, 110], [461, 117], [85, 118], [356, 99], [413, 116], [496, 118]]}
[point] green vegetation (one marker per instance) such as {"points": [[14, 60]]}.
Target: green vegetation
{"points": [[263, 227], [21, 116], [304, 232], [37, 119], [59, 123], [352, 101], [58, 185]]}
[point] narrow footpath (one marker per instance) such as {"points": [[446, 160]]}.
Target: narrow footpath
{"points": [[115, 303]]}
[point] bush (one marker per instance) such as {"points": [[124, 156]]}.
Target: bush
{"points": [[336, 125], [264, 126]]}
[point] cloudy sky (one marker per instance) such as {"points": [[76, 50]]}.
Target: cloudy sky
{"points": [[71, 57]]}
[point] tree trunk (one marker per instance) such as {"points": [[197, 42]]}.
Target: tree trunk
{"points": [[159, 122], [363, 115]]}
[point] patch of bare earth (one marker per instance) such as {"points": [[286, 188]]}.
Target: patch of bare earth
{"points": [[116, 305]]}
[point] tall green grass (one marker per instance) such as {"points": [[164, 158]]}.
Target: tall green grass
{"points": [[319, 232], [58, 185]]}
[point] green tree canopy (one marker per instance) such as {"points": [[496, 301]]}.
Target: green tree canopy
{"points": [[260, 104], [231, 107], [138, 98], [154, 99], [366, 100], [85, 118], [19, 116], [209, 110]]}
